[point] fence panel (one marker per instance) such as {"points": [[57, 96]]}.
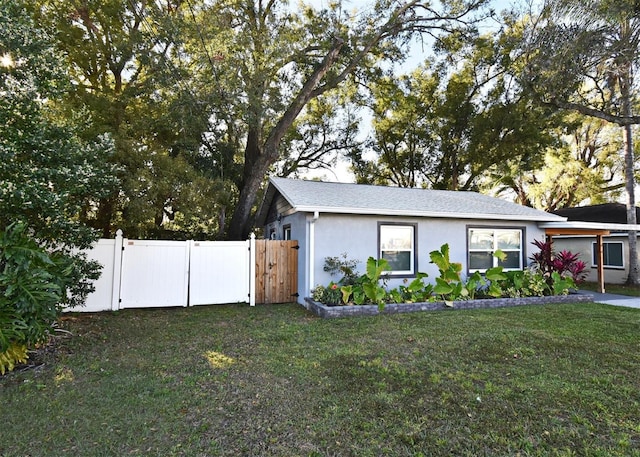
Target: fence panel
{"points": [[154, 274], [219, 272], [102, 298]]}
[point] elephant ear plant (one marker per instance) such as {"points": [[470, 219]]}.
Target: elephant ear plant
{"points": [[367, 287], [449, 283], [451, 287]]}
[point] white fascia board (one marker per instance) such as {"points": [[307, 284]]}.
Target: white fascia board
{"points": [[434, 214], [591, 226]]}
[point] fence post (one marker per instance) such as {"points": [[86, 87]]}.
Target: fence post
{"points": [[117, 271], [252, 270]]}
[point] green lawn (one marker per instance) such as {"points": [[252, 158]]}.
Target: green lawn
{"points": [[277, 381], [621, 289]]}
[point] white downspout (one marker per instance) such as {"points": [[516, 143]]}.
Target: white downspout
{"points": [[312, 250]]}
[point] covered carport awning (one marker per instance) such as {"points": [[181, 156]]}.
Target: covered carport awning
{"points": [[597, 229]]}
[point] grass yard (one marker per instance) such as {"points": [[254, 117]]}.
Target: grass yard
{"points": [[621, 289], [277, 381]]}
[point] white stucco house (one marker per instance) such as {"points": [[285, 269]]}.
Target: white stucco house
{"points": [[398, 224]]}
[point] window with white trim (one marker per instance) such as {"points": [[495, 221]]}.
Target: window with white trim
{"points": [[613, 253], [484, 242], [397, 246]]}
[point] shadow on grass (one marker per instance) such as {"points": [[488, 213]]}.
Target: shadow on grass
{"points": [[276, 380]]}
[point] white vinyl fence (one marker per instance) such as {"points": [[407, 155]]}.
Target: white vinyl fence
{"points": [[153, 273]]}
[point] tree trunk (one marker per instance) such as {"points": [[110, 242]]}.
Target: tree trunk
{"points": [[634, 270], [241, 221], [258, 158], [104, 217], [629, 161]]}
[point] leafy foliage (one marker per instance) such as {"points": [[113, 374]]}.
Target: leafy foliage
{"points": [[330, 295], [126, 62], [32, 285], [566, 264], [344, 266], [15, 354], [51, 176], [414, 292], [367, 287], [452, 129], [551, 275], [450, 285]]}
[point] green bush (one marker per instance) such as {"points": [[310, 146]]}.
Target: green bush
{"points": [[342, 265], [34, 287], [15, 354], [329, 295], [367, 288], [449, 285]]}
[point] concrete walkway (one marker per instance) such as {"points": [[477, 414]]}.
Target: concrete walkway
{"points": [[612, 299]]}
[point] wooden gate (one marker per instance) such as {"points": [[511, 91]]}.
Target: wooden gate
{"points": [[276, 271]]}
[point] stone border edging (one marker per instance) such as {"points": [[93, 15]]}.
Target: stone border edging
{"points": [[395, 308]]}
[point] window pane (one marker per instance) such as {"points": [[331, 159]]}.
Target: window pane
{"points": [[480, 260], [392, 237], [508, 239], [398, 260], [613, 254], [481, 239], [511, 261]]}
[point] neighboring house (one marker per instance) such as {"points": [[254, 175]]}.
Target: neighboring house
{"points": [[615, 245], [398, 224]]}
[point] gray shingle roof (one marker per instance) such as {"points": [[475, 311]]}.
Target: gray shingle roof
{"points": [[329, 197]]}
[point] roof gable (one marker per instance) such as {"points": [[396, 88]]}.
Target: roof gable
{"points": [[344, 198]]}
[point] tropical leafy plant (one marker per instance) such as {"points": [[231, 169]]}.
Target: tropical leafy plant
{"points": [[449, 284], [367, 288], [414, 292], [329, 295], [565, 263], [34, 285]]}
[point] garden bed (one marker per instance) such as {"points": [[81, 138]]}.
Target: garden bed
{"points": [[325, 311]]}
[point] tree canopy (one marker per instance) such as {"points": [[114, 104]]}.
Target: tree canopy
{"points": [[582, 56], [205, 99], [50, 176]]}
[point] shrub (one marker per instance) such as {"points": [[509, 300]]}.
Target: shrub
{"points": [[342, 265], [563, 268], [330, 295], [367, 287], [15, 354], [34, 286]]}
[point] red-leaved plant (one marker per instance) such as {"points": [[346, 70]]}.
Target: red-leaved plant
{"points": [[564, 263]]}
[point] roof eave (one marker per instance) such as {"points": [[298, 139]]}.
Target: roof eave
{"points": [[433, 214], [579, 225]]}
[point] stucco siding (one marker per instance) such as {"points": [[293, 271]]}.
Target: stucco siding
{"points": [[583, 246], [357, 236]]}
